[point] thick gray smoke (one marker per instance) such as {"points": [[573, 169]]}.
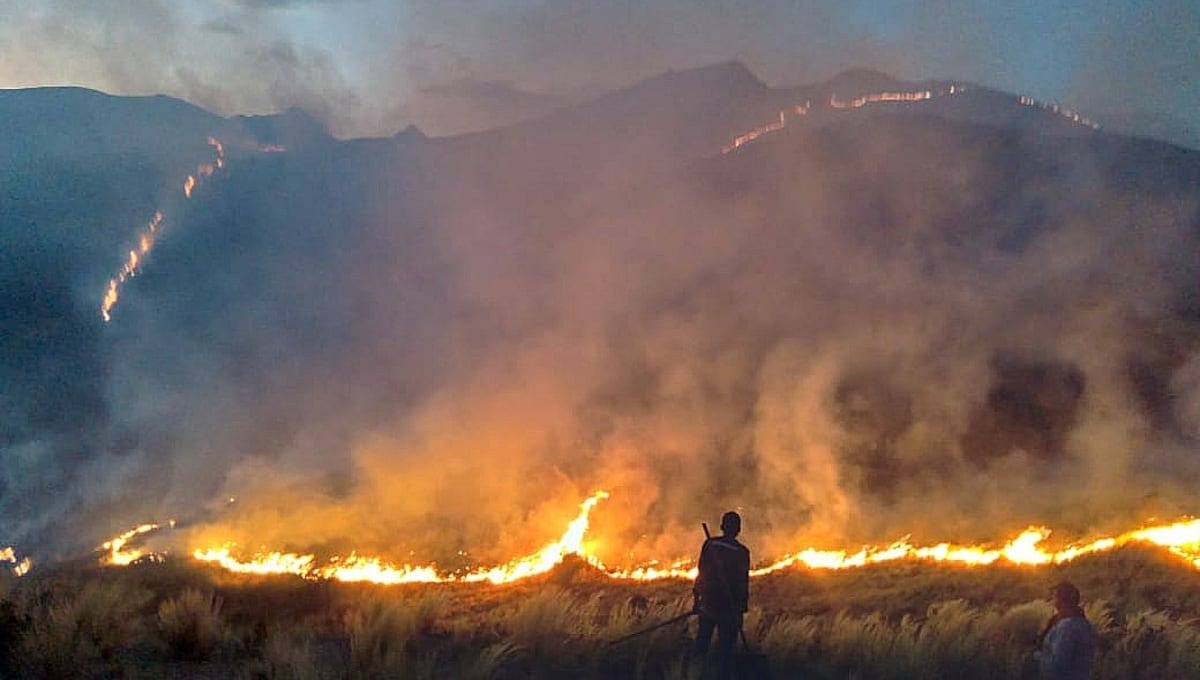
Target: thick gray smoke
{"points": [[855, 329]]}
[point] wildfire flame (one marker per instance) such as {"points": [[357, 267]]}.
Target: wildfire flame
{"points": [[837, 104], [921, 95], [1070, 115], [119, 552], [1181, 538], [19, 567], [357, 568], [146, 238]]}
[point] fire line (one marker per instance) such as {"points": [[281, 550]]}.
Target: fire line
{"points": [[837, 104], [148, 235], [1181, 538]]}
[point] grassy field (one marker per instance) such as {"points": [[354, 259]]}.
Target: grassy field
{"points": [[909, 620]]}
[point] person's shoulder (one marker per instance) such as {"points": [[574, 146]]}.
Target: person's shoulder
{"points": [[1074, 627], [733, 543], [1079, 625]]}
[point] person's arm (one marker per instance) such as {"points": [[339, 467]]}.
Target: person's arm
{"points": [[746, 584]]}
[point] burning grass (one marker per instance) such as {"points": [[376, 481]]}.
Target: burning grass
{"points": [[900, 620]]}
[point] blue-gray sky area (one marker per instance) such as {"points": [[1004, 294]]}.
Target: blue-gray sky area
{"points": [[372, 67]]}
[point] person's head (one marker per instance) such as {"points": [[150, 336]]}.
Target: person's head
{"points": [[731, 524], [1065, 596]]}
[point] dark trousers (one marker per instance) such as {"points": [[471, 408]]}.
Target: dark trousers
{"points": [[728, 626]]}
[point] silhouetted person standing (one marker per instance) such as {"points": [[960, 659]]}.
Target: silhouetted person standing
{"points": [[722, 592], [1068, 641]]}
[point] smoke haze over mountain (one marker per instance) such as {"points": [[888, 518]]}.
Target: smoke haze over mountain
{"points": [[376, 66], [950, 318]]}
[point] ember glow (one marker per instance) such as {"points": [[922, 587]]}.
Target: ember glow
{"points": [[147, 236], [838, 104], [1070, 115], [1181, 539], [20, 566], [876, 97]]}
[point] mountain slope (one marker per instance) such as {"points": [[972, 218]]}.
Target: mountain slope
{"points": [[951, 315]]}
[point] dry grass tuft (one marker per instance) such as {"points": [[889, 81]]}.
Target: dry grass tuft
{"points": [[191, 624], [69, 629], [385, 636]]}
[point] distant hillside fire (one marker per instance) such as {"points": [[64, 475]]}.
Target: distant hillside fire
{"points": [[146, 238], [904, 97]]}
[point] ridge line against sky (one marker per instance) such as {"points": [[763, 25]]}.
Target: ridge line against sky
{"points": [[372, 67]]}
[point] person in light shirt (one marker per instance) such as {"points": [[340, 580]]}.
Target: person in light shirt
{"points": [[1068, 640]]}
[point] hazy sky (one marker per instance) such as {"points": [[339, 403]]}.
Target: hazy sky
{"points": [[374, 66]]}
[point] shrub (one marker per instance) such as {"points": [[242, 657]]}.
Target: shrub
{"points": [[12, 628], [491, 661], [383, 636], [68, 630], [543, 621], [289, 657], [191, 624]]}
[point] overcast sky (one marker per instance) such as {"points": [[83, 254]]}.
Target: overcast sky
{"points": [[375, 66]]}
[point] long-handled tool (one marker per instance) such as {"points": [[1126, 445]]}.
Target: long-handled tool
{"points": [[661, 624]]}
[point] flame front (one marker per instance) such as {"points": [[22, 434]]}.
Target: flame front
{"points": [[120, 555], [876, 97], [357, 568], [146, 238], [1181, 539], [1070, 115], [837, 104]]}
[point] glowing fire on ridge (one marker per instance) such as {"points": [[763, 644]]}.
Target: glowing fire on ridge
{"points": [[1062, 111], [835, 103], [892, 97], [1181, 539], [19, 567], [146, 238], [921, 95]]}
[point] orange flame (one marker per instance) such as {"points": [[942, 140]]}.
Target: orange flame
{"points": [[838, 104], [145, 243], [1070, 115], [893, 97], [1181, 538], [146, 238], [120, 553], [356, 568], [921, 95], [19, 567]]}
